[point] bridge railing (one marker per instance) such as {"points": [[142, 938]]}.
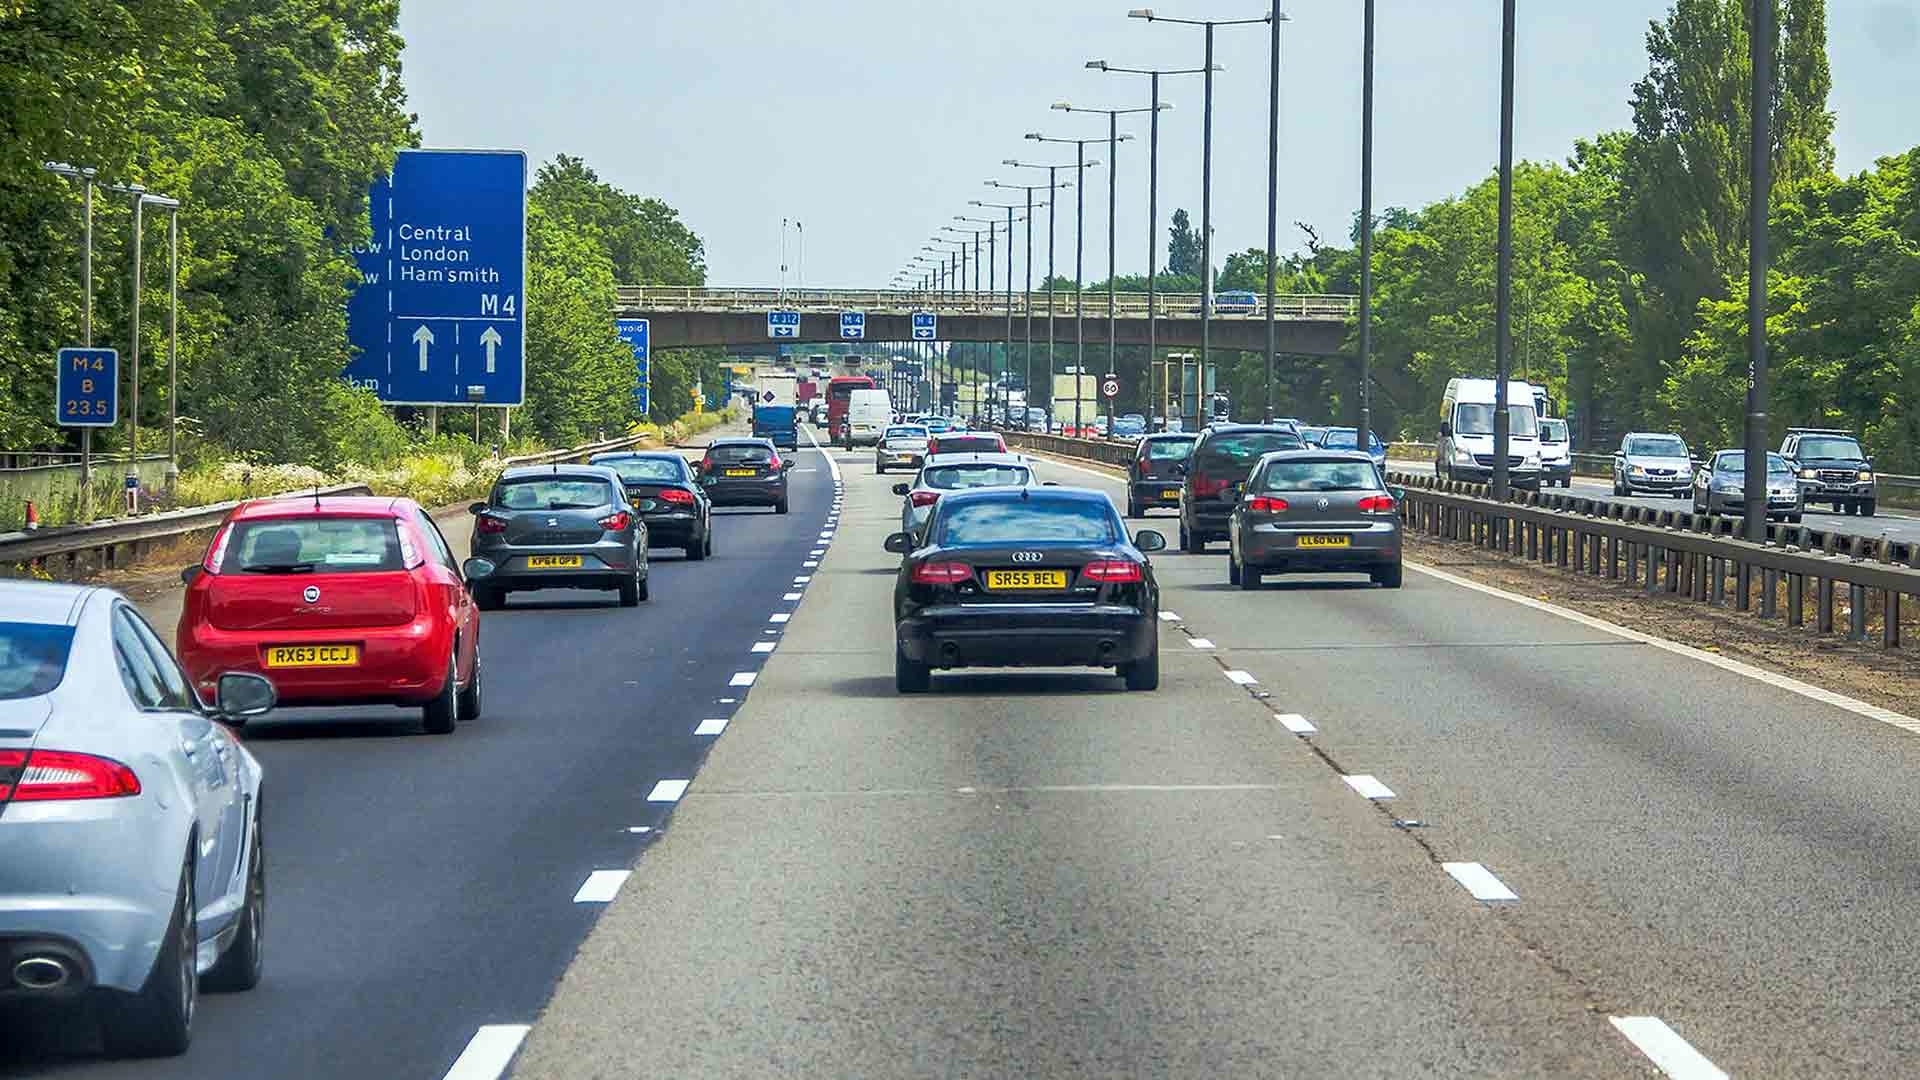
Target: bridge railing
{"points": [[1292, 306]]}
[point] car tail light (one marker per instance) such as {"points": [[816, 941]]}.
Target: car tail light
{"points": [[942, 573], [217, 554], [54, 775], [706, 464], [616, 521], [1377, 504], [924, 498], [1261, 504], [1113, 571], [1204, 488], [773, 462], [677, 496], [487, 524]]}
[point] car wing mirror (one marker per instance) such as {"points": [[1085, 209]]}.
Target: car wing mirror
{"points": [[899, 543], [241, 695], [901, 489], [1399, 494], [1149, 540], [477, 568], [188, 575], [477, 508], [1446, 429]]}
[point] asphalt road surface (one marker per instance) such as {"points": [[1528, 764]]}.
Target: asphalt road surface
{"points": [[1357, 832]]}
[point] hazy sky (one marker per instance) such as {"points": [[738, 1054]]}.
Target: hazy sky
{"points": [[875, 121]]}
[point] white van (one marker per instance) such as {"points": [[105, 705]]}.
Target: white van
{"points": [[868, 414], [1464, 450]]}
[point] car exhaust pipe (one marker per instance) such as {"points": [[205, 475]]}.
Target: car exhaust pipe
{"points": [[949, 651], [41, 973], [1106, 649]]}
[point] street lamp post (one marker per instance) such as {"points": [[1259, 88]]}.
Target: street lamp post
{"points": [[1761, 40], [1081, 165], [1206, 186], [86, 178], [1026, 303], [1006, 355], [1503, 285], [1114, 139], [1363, 435], [1052, 204], [1153, 210]]}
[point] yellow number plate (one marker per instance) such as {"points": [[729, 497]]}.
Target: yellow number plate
{"points": [[553, 562], [739, 472], [1170, 493], [1026, 579], [285, 656], [1324, 541]]}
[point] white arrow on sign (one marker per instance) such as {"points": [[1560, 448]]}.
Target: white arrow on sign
{"points": [[491, 339], [423, 337]]}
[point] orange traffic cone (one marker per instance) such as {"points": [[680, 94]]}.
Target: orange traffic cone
{"points": [[33, 516]]}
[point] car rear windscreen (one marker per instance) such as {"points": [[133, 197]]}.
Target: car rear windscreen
{"points": [[970, 444], [648, 470], [1243, 450], [1321, 476], [1170, 449], [553, 493], [33, 658], [958, 477], [1025, 521], [313, 545], [741, 454]]}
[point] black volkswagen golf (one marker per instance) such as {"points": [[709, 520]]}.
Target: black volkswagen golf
{"points": [[1026, 577]]}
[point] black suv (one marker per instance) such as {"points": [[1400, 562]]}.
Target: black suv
{"points": [[1222, 458], [1832, 469]]}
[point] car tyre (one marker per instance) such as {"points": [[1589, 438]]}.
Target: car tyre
{"points": [[909, 676], [1249, 578], [1144, 673], [696, 551], [470, 698], [1190, 541], [630, 591], [488, 597], [1233, 569], [1134, 510], [1870, 507], [879, 469], [1389, 577], [440, 714], [158, 1021], [781, 506], [645, 591], [240, 966]]}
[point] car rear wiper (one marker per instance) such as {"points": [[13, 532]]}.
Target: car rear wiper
{"points": [[571, 506], [281, 568]]}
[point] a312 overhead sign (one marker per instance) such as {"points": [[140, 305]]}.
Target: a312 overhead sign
{"points": [[439, 317]]}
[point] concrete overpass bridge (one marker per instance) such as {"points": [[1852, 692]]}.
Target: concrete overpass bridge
{"points": [[683, 316]]}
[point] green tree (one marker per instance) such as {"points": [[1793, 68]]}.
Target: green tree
{"points": [[1183, 247]]}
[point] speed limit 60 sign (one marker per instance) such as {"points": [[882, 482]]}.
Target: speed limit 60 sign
{"points": [[1110, 387]]}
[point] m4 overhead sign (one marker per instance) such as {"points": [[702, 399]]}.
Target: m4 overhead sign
{"points": [[439, 316]]}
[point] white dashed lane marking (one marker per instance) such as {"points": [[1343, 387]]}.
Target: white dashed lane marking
{"points": [[601, 886], [488, 1052], [1200, 643], [1241, 678], [743, 678], [763, 646], [1479, 881], [668, 791], [779, 616], [1295, 723], [1368, 787], [791, 596], [712, 726], [1664, 1047]]}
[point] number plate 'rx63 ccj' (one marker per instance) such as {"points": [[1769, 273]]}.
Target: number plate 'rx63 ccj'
{"points": [[1015, 580], [290, 656]]}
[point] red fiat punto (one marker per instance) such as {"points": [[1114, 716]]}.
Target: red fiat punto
{"points": [[337, 601]]}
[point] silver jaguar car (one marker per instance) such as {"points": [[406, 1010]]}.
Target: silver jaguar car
{"points": [[131, 856]]}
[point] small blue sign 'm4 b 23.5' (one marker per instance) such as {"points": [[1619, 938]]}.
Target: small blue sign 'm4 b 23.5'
{"points": [[89, 388]]}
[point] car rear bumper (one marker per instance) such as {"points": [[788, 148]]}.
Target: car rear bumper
{"points": [[747, 492], [398, 665], [1156, 492], [904, 458], [1483, 474], [1027, 635], [671, 530], [1209, 523], [1277, 550], [1556, 470]]}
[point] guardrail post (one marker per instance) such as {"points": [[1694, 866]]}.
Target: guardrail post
{"points": [[1769, 581], [1743, 582], [1796, 599], [1717, 569], [1823, 606], [1633, 560], [1531, 530], [1856, 612], [1613, 557], [1890, 628]]}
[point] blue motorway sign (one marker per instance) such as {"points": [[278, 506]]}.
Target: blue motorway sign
{"points": [[638, 333], [439, 317], [88, 388], [853, 325], [783, 324], [924, 324]]}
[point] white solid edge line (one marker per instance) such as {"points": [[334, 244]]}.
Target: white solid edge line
{"points": [[1368, 786], [1295, 723], [1773, 679], [713, 725], [489, 1052], [1663, 1046], [668, 790], [1200, 643], [743, 678], [601, 887], [1241, 678], [1479, 881], [763, 646], [832, 465]]}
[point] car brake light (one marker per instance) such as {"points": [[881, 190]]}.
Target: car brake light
{"points": [[1205, 488], [774, 462], [616, 521], [675, 495], [942, 573], [217, 554], [924, 498], [53, 775], [1377, 504], [1263, 505], [1113, 571], [487, 524]]}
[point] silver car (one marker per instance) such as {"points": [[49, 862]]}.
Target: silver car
{"points": [[1652, 461], [903, 446], [1721, 487], [558, 527], [131, 859], [956, 472], [1314, 512]]}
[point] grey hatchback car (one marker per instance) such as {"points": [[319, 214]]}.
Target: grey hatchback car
{"points": [[745, 472], [557, 527], [1314, 511]]}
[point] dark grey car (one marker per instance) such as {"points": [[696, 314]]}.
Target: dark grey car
{"points": [[1721, 486], [1314, 511], [745, 472], [559, 527]]}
